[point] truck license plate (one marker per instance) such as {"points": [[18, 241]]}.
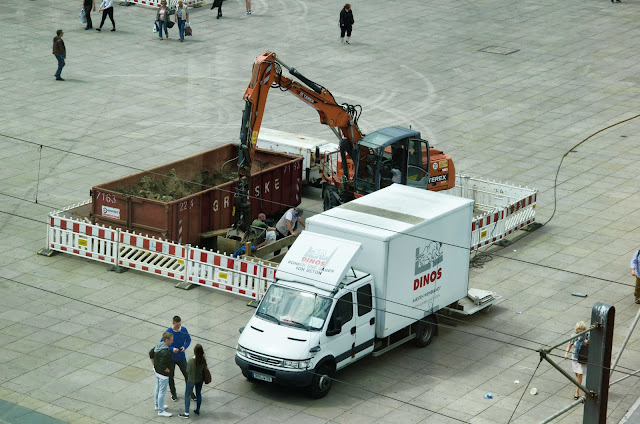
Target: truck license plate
{"points": [[262, 377]]}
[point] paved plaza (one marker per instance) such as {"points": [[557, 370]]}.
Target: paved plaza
{"points": [[74, 336]]}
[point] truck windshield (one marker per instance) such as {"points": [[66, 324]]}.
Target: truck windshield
{"points": [[294, 308]]}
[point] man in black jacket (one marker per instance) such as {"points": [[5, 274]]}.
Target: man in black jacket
{"points": [[59, 52], [161, 360]]}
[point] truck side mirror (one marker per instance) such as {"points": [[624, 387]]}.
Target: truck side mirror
{"points": [[336, 328]]}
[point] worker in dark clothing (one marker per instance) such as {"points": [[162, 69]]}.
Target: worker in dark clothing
{"points": [[60, 53]]}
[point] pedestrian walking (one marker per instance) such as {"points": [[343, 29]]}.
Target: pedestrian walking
{"points": [[181, 341], [635, 271], [161, 360], [182, 16], [162, 19], [106, 7], [578, 365], [195, 378], [346, 23], [247, 4], [218, 4], [60, 52], [87, 5]]}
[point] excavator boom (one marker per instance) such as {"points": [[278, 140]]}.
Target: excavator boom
{"points": [[267, 74]]}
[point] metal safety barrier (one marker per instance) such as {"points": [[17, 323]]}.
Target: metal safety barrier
{"points": [[171, 4], [507, 208], [126, 249]]}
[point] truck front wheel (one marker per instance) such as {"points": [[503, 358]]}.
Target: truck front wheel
{"points": [[425, 329], [321, 383], [247, 375]]}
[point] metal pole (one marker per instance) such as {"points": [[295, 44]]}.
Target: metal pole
{"points": [[562, 411], [571, 338], [624, 344], [624, 378], [543, 354], [600, 342]]}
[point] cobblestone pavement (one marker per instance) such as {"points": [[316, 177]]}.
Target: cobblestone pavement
{"points": [[75, 337]]}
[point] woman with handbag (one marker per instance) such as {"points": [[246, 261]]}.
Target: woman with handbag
{"points": [[579, 355], [162, 19], [196, 372]]}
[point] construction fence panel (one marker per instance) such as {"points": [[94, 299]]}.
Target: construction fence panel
{"points": [[148, 254], [171, 4], [240, 276], [155, 256], [81, 239], [500, 208]]}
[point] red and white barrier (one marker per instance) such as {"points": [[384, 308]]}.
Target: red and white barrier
{"points": [[170, 3], [126, 249], [240, 276], [509, 208]]}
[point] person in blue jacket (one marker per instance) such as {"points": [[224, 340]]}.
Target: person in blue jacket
{"points": [[181, 341]]}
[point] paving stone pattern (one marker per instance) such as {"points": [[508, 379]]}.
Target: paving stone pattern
{"points": [[75, 337]]}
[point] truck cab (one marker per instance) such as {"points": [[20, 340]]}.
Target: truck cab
{"points": [[317, 318]]}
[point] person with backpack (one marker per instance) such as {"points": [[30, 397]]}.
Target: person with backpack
{"points": [[579, 354], [195, 377], [346, 23], [161, 360], [635, 271]]}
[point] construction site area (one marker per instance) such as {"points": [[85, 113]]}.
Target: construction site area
{"points": [[467, 174]]}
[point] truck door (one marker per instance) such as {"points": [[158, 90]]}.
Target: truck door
{"points": [[417, 175], [365, 321], [342, 340]]}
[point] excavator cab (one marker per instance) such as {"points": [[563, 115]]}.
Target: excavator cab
{"points": [[392, 155]]}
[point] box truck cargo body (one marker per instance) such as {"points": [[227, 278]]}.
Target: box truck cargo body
{"points": [[415, 245], [364, 277]]}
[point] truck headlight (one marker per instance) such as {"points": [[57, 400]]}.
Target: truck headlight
{"points": [[241, 351], [297, 364]]}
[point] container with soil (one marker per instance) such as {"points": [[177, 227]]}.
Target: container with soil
{"points": [[183, 199]]}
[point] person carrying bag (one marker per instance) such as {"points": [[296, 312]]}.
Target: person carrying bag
{"points": [[197, 371]]}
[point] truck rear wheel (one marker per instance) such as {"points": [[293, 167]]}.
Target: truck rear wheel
{"points": [[321, 383], [425, 329]]}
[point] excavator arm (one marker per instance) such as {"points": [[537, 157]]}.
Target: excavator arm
{"points": [[267, 74]]}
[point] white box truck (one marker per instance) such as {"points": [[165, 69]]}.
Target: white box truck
{"points": [[310, 148], [363, 278]]}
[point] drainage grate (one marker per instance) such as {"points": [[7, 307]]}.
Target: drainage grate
{"points": [[499, 50]]}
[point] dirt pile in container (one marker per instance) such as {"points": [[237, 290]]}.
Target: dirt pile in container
{"points": [[170, 187]]}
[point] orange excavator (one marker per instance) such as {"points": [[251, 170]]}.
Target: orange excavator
{"points": [[363, 164]]}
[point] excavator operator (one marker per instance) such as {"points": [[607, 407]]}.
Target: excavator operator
{"points": [[345, 147]]}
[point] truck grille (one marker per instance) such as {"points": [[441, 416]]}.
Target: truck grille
{"points": [[264, 359]]}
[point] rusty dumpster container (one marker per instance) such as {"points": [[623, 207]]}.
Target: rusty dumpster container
{"points": [[208, 205]]}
